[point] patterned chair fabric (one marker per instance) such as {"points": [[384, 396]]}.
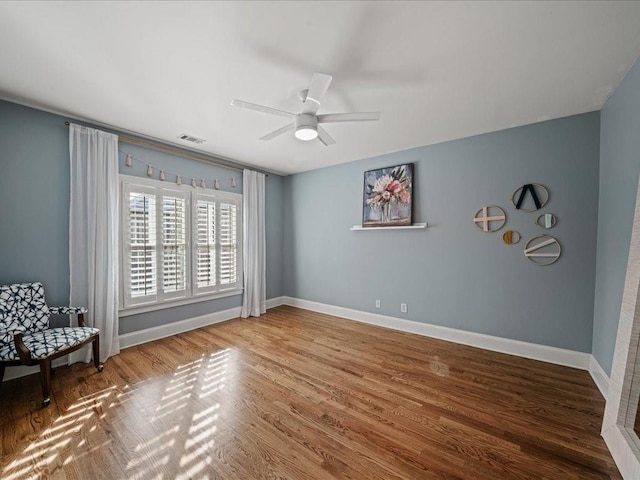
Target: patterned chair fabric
{"points": [[67, 310], [47, 342], [25, 336], [23, 309], [5, 335]]}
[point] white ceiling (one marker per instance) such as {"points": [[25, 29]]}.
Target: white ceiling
{"points": [[436, 70]]}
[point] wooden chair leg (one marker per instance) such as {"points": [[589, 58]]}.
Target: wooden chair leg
{"points": [[45, 380], [1, 373], [96, 354]]}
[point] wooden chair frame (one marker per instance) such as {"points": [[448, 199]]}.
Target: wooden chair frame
{"points": [[45, 363]]}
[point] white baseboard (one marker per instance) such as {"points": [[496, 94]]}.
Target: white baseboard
{"points": [[151, 334], [161, 331], [275, 302], [23, 370], [534, 351], [560, 356], [599, 376], [623, 447]]}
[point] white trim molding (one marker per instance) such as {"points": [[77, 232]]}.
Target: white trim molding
{"points": [[24, 370], [599, 376], [178, 303], [275, 302], [559, 356], [624, 392], [161, 331]]}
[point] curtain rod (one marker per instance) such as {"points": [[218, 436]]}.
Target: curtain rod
{"points": [[175, 151]]}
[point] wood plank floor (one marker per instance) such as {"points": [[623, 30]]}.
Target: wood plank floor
{"points": [[301, 395]]}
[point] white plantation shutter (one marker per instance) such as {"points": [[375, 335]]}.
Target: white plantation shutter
{"points": [[205, 274], [156, 257], [140, 246], [228, 241], [178, 242], [216, 233], [174, 244]]}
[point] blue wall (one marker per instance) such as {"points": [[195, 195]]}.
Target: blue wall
{"points": [[452, 274], [34, 185], [309, 216], [619, 166], [34, 199]]}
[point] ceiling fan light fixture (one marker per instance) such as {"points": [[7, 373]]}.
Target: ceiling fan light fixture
{"points": [[306, 124], [306, 133], [306, 127]]}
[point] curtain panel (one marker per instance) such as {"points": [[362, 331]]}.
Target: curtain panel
{"points": [[254, 253], [93, 234]]}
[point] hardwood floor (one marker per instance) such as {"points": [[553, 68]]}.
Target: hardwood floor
{"points": [[301, 395]]}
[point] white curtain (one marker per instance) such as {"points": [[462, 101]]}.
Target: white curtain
{"points": [[93, 234], [254, 301]]}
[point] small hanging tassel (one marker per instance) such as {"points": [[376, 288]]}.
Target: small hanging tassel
{"points": [[128, 161], [216, 184], [233, 182], [178, 180], [203, 184], [149, 170], [193, 182], [162, 177]]}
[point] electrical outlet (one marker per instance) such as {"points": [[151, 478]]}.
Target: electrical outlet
{"points": [[377, 303], [403, 308]]}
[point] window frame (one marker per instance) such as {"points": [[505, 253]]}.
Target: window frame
{"points": [[191, 294], [218, 287]]}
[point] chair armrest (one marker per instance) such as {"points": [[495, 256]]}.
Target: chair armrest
{"points": [[67, 310], [23, 351], [80, 311]]}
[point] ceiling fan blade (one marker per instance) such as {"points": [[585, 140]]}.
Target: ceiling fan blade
{"points": [[324, 137], [349, 117], [261, 108], [319, 85], [280, 131]]}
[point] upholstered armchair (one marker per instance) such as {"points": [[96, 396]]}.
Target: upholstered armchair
{"points": [[25, 336]]}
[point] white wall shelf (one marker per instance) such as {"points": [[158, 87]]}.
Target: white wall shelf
{"points": [[360, 228]]}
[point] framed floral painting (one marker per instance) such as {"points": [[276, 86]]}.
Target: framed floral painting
{"points": [[388, 196]]}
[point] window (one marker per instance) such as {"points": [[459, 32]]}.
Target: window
{"points": [[178, 243], [216, 234]]}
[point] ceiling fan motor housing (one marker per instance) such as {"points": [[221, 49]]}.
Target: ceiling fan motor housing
{"points": [[306, 120]]}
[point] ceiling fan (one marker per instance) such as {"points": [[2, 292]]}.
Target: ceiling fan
{"points": [[306, 125]]}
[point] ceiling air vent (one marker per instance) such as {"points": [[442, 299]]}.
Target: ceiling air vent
{"points": [[191, 138]]}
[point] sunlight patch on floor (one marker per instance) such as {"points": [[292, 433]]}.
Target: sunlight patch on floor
{"points": [[58, 437], [171, 420], [193, 435]]}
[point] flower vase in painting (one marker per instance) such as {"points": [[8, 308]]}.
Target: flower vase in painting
{"points": [[388, 196]]}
